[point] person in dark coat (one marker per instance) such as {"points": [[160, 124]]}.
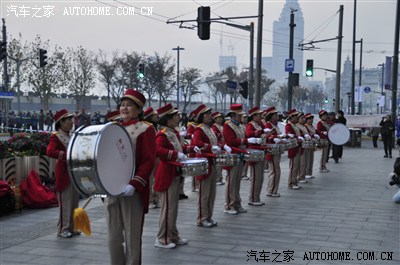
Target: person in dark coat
{"points": [[387, 129], [337, 150]]}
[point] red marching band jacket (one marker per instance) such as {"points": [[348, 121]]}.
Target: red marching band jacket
{"points": [[322, 129], [292, 152], [275, 131], [143, 135], [234, 137], [204, 138], [218, 132], [167, 151], [254, 129], [57, 149]]}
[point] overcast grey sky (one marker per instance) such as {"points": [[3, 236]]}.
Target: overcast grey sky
{"points": [[147, 31]]}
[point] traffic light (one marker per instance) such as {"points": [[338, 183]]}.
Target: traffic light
{"points": [[309, 67], [203, 28], [140, 72], [42, 57], [245, 91], [326, 100], [3, 51]]}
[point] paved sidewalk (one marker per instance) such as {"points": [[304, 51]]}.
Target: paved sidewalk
{"points": [[346, 213]]}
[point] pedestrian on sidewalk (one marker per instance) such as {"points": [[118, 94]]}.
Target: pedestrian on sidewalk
{"points": [[68, 197], [374, 133], [387, 130]]}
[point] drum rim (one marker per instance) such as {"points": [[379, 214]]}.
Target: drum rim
{"points": [[342, 126], [97, 178]]}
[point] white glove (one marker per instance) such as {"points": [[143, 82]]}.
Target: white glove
{"points": [[227, 149], [181, 156], [316, 136], [128, 190], [284, 140], [277, 140], [259, 141], [215, 149], [325, 133], [196, 149], [282, 135], [252, 140], [267, 130], [307, 136], [291, 135], [183, 133], [300, 138]]}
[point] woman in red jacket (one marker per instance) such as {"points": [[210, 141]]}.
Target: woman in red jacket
{"points": [[125, 213], [170, 148], [207, 141], [68, 197]]}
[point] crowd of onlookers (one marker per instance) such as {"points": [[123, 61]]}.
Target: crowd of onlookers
{"points": [[16, 121]]}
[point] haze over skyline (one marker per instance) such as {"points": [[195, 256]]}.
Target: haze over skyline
{"points": [[147, 30]]}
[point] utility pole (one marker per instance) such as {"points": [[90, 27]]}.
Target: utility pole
{"points": [[178, 90], [395, 64], [259, 53], [353, 60], [290, 84], [339, 62], [360, 75], [251, 70], [383, 76], [5, 71]]}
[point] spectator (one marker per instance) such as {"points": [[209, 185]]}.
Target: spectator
{"points": [[387, 129], [83, 118], [49, 121], [41, 120]]}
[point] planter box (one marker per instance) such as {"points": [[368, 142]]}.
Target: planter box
{"points": [[47, 167], [29, 163], [10, 170]]}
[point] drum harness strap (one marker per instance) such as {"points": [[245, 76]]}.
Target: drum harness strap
{"points": [[64, 139], [277, 130], [239, 133], [210, 134]]}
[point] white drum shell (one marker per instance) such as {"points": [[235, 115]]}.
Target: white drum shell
{"points": [[223, 160], [194, 167], [339, 134], [100, 159], [254, 155]]}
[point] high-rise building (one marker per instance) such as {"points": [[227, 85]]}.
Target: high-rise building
{"points": [[280, 48]]}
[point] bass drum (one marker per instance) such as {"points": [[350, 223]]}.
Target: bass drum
{"points": [[339, 134], [101, 159]]}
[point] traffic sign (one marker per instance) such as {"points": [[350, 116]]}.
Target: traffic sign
{"points": [[367, 89], [7, 95], [289, 65]]}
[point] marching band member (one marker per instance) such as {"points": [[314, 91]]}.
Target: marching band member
{"points": [[170, 148], [234, 137], [151, 116], [217, 128], [274, 160], [243, 124], [113, 116], [322, 130], [68, 197], [188, 134], [125, 213], [293, 131], [301, 177], [309, 153], [254, 129], [206, 140]]}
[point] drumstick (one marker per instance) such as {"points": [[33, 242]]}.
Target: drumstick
{"points": [[239, 150]]}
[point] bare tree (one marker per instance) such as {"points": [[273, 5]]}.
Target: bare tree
{"points": [[107, 71], [190, 81], [160, 76], [79, 73]]}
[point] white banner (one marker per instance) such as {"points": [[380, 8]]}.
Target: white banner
{"points": [[358, 93]]}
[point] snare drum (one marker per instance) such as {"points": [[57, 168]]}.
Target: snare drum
{"points": [[224, 160], [291, 143], [308, 144], [194, 167], [323, 142], [273, 149], [254, 155], [101, 159]]}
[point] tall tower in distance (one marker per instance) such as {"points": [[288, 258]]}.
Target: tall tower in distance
{"points": [[280, 48]]}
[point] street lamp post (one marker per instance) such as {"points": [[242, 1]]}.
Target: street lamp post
{"points": [[360, 74], [177, 75], [383, 73]]}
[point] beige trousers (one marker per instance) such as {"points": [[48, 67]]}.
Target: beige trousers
{"points": [[125, 217], [68, 200], [256, 180], [232, 191], [309, 155], [274, 174], [206, 196], [294, 167]]}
